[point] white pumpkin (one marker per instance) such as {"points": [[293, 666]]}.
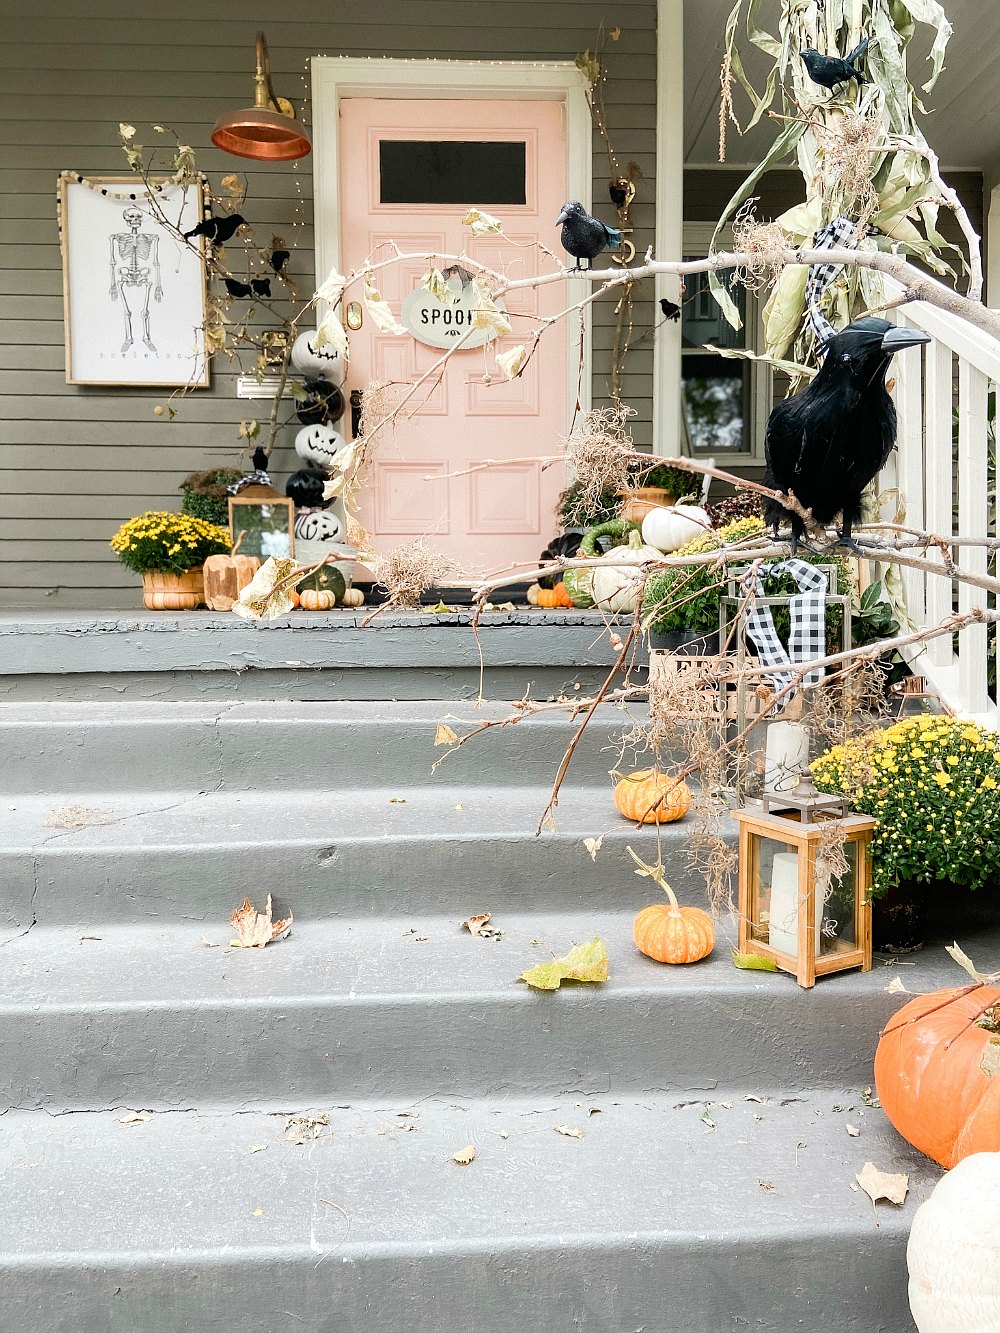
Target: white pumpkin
{"points": [[670, 528], [616, 580], [954, 1251], [328, 362]]}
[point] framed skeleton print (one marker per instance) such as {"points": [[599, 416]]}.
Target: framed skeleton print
{"points": [[134, 294]]}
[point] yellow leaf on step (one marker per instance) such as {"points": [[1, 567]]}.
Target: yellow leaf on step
{"points": [[586, 962]]}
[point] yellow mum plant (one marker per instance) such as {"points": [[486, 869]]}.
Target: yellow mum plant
{"points": [[932, 784], [171, 543]]}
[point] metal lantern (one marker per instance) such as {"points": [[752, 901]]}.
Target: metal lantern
{"points": [[786, 912]]}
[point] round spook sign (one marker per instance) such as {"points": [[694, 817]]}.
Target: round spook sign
{"points": [[443, 323]]}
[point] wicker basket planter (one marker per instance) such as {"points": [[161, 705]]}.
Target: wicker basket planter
{"points": [[173, 592], [639, 500]]}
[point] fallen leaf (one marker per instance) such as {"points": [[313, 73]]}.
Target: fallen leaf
{"points": [[91, 937], [593, 846], [586, 962], [397, 800], [256, 929], [896, 987], [459, 808], [882, 1184], [568, 1131], [965, 962], [257, 1212], [302, 1128], [413, 1115], [476, 925], [465, 1155], [594, 1110], [753, 962], [766, 1185], [444, 735], [258, 1147], [853, 1130], [706, 1119], [135, 1118]]}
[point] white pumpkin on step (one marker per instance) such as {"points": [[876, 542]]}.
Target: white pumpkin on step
{"points": [[617, 579], [673, 527], [954, 1251]]}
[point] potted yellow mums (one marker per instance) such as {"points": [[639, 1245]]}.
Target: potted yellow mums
{"points": [[168, 550]]}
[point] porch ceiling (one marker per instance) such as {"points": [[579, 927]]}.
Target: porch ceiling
{"points": [[964, 127]]}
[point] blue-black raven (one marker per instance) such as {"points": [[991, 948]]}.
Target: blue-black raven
{"points": [[585, 237], [829, 441]]}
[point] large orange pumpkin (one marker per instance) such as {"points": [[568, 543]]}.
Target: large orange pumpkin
{"points": [[652, 797], [937, 1073], [668, 932]]}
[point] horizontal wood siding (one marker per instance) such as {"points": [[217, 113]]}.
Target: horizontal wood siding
{"points": [[77, 461]]}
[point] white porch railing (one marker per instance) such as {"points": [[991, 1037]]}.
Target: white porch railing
{"points": [[940, 466]]}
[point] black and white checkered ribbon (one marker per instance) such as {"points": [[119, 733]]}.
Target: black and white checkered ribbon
{"points": [[839, 232], [807, 608]]}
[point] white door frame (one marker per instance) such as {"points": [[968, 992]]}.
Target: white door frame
{"points": [[669, 235], [336, 77]]}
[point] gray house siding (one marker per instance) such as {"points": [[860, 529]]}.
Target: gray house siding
{"points": [[77, 461]]}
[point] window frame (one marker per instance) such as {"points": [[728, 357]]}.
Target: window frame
{"points": [[697, 238]]}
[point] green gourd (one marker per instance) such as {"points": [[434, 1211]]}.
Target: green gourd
{"points": [[327, 578], [579, 583]]}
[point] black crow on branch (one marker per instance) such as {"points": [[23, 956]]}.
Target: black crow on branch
{"points": [[831, 71], [828, 442], [217, 230], [585, 237]]}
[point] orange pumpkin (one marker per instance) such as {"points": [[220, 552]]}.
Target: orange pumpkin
{"points": [[552, 597], [668, 932], [652, 797], [937, 1073]]}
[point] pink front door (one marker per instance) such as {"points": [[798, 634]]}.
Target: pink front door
{"points": [[410, 170]]}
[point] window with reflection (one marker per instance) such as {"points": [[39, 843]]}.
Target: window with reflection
{"points": [[449, 171]]}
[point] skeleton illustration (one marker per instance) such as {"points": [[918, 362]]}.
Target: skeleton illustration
{"points": [[135, 260]]}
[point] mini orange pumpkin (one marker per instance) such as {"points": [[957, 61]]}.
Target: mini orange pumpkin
{"points": [[667, 932], [551, 597], [652, 797]]}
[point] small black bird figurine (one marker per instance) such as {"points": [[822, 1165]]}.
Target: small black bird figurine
{"points": [[217, 230], [255, 287], [670, 308], [831, 71], [585, 237], [566, 544], [829, 441], [279, 258]]}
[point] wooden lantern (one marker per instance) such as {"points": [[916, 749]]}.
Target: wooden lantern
{"points": [[267, 520], [781, 915]]}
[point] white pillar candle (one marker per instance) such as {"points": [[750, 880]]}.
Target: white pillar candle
{"points": [[783, 918], [786, 755]]}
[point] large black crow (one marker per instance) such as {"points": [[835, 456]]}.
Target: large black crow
{"points": [[831, 71], [585, 237], [829, 441]]}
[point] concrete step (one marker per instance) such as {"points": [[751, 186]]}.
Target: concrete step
{"points": [[199, 655], [670, 1213], [283, 746], [358, 1009], [91, 860]]}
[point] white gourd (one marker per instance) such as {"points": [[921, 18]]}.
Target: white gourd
{"points": [[616, 581], [670, 528], [954, 1251]]}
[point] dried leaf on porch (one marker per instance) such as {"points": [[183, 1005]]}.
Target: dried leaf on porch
{"points": [[480, 925], [512, 361], [585, 962], [302, 1128], [965, 962], [380, 310], [882, 1184], [753, 962], [593, 846], [464, 1155], [569, 1131], [445, 735], [481, 223], [256, 929]]}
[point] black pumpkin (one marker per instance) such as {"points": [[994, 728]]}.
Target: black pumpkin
{"points": [[324, 402], [305, 487]]}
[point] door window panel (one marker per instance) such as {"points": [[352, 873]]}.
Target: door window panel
{"points": [[424, 171]]}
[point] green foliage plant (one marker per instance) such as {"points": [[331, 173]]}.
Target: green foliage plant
{"points": [[932, 783], [205, 494]]}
